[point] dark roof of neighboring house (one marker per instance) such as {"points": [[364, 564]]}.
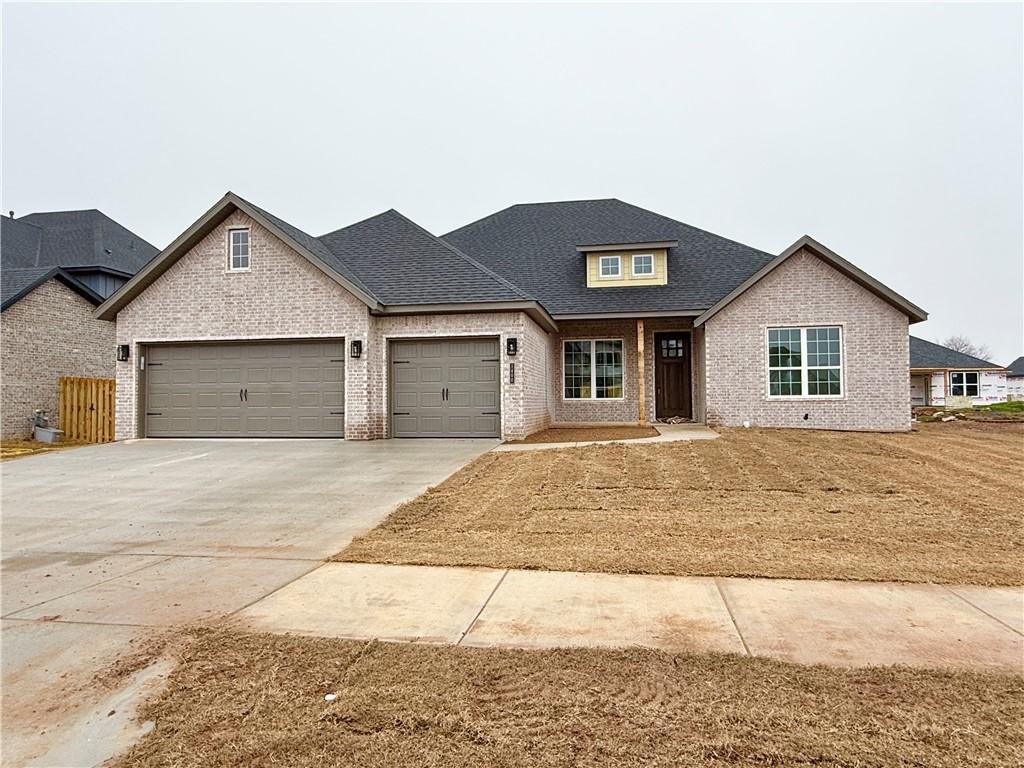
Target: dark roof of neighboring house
{"points": [[1016, 368], [15, 284], [404, 264], [927, 354], [535, 246], [72, 240]]}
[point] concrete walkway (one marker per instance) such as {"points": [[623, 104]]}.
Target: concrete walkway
{"points": [[667, 433], [807, 622]]}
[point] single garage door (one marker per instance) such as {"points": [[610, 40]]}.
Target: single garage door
{"points": [[272, 389], [445, 388]]}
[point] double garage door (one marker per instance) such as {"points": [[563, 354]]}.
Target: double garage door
{"points": [[271, 389], [438, 388], [445, 388]]}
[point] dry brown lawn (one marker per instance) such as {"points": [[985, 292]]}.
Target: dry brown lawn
{"points": [[940, 504], [581, 434], [258, 700], [16, 449]]}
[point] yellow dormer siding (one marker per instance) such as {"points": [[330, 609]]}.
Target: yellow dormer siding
{"points": [[626, 276]]}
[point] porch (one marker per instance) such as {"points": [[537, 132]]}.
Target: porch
{"points": [[641, 370]]}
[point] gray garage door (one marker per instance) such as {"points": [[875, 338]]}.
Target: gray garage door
{"points": [[445, 388], [273, 389]]}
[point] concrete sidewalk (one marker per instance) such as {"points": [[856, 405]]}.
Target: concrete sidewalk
{"points": [[667, 433], [808, 622]]}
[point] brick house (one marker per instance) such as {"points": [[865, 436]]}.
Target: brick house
{"points": [[55, 268], [587, 312]]}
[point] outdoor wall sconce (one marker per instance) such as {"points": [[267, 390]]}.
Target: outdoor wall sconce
{"points": [[356, 349], [122, 352], [511, 346]]}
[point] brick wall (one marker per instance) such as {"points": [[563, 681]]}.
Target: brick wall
{"points": [[284, 296], [523, 404], [807, 291], [48, 334]]}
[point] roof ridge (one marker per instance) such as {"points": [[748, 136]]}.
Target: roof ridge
{"points": [[468, 259], [689, 226], [356, 223]]}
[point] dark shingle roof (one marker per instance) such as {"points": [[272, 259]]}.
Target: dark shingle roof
{"points": [[15, 284], [402, 263], [926, 354], [314, 246], [72, 239], [1016, 368], [534, 246]]}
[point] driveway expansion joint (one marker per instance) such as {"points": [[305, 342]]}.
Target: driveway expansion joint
{"points": [[982, 610]]}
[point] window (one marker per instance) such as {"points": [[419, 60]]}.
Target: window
{"points": [[611, 266], [643, 265], [238, 244], [964, 384], [592, 370], [805, 362]]}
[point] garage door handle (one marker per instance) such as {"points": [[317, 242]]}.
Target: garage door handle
{"points": [[153, 413], [491, 413], [400, 413], [239, 395], [246, 391], [337, 413]]}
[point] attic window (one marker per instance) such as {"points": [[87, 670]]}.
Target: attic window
{"points": [[643, 265], [238, 244], [611, 266]]}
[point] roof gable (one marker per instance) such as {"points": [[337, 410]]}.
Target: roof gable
{"points": [[927, 354], [913, 312], [536, 246], [16, 284], [305, 245]]}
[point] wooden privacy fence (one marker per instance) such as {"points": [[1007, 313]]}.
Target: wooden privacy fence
{"points": [[86, 409]]}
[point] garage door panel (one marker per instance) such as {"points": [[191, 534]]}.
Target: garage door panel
{"points": [[293, 389], [423, 370]]}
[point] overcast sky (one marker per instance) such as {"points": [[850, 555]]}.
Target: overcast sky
{"points": [[893, 134]]}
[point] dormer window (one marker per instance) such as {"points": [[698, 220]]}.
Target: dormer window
{"points": [[238, 250], [643, 264], [627, 265], [611, 266]]}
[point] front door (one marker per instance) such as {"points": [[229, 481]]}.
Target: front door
{"points": [[672, 375]]}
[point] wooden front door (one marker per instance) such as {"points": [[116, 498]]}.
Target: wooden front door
{"points": [[672, 375]]}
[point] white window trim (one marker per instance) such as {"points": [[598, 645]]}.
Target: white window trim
{"points": [[616, 276], [230, 268], [593, 374], [654, 269], [803, 362], [965, 384]]}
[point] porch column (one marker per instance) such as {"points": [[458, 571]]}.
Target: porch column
{"points": [[641, 380]]}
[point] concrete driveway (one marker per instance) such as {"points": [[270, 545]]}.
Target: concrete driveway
{"points": [[105, 547]]}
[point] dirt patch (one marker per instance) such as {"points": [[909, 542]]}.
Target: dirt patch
{"points": [[244, 700], [584, 434], [939, 504], [16, 449]]}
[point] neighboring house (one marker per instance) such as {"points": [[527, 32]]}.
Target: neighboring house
{"points": [[1015, 379], [941, 376], [553, 313], [55, 268]]}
